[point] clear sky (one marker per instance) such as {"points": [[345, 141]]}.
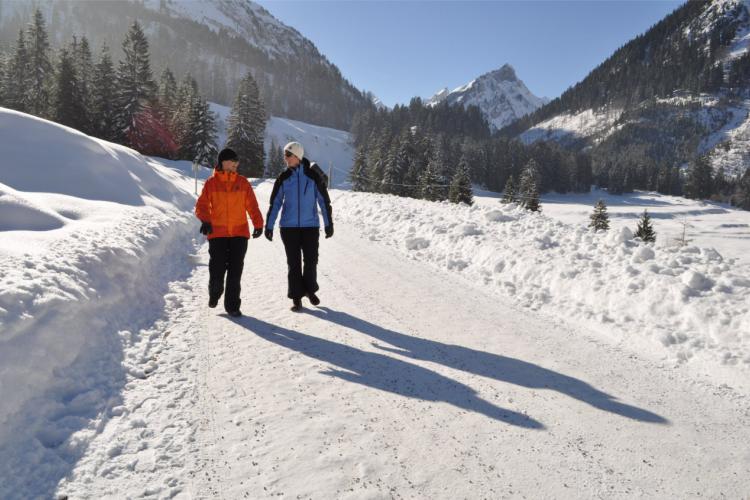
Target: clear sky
{"points": [[402, 49]]}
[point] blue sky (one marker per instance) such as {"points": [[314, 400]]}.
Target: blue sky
{"points": [[401, 49]]}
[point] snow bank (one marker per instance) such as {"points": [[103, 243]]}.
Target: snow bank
{"points": [[91, 234], [687, 302]]}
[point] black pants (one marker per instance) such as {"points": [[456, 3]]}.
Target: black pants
{"points": [[227, 255], [301, 242]]}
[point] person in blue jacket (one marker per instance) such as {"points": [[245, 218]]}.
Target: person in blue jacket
{"points": [[297, 193]]}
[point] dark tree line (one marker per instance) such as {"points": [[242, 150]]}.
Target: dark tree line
{"points": [[123, 102], [427, 152]]}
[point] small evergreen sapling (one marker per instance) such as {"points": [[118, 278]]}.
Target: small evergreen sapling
{"points": [[645, 230], [600, 219]]}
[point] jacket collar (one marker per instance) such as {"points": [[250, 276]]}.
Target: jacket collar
{"points": [[225, 176]]}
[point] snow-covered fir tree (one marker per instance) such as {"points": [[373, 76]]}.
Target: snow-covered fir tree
{"points": [[246, 126], [167, 96], [460, 188], [136, 90], [203, 133], [699, 181], [276, 163], [391, 175], [644, 229], [357, 173], [39, 67], [599, 218], [529, 187], [67, 104], [17, 75], [509, 193], [742, 198], [429, 185], [103, 95], [3, 65], [84, 68]]}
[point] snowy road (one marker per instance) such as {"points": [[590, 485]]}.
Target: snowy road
{"points": [[405, 383]]}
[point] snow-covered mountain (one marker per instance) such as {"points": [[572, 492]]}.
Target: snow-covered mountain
{"points": [[216, 41], [673, 93], [500, 94]]}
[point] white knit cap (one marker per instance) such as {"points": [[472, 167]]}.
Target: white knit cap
{"points": [[296, 149]]}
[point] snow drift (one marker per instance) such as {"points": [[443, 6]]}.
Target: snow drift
{"points": [[91, 233], [688, 303]]}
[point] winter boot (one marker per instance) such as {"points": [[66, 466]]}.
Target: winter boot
{"points": [[297, 305], [235, 313], [213, 301], [314, 300]]}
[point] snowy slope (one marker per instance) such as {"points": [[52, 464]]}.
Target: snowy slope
{"points": [[91, 233], [243, 18], [332, 149], [501, 96]]}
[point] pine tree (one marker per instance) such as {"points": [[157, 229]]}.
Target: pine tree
{"points": [[529, 188], [699, 182], [390, 171], [509, 193], [204, 132], [40, 68], [645, 230], [357, 173], [84, 69], [3, 66], [103, 94], [276, 163], [742, 199], [67, 106], [429, 188], [135, 92], [182, 123], [600, 219], [460, 188], [246, 128], [17, 77], [167, 96]]}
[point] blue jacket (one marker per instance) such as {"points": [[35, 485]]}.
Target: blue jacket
{"points": [[297, 193]]}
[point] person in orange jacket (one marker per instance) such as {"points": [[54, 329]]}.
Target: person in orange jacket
{"points": [[226, 200]]}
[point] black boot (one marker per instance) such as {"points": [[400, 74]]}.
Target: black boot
{"points": [[314, 300], [213, 301], [297, 305]]}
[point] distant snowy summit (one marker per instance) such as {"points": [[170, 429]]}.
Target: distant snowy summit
{"points": [[501, 96]]}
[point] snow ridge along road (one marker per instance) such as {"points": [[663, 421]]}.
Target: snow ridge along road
{"points": [[407, 382]]}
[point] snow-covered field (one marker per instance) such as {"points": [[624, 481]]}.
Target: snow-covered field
{"points": [[722, 227], [460, 352]]}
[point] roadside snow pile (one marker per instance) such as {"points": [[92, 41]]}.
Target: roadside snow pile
{"points": [[91, 234], [690, 299]]}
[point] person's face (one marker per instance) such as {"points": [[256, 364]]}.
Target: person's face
{"points": [[230, 165], [290, 159]]}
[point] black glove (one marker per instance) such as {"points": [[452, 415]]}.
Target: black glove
{"points": [[269, 234], [329, 230], [257, 232], [206, 228]]}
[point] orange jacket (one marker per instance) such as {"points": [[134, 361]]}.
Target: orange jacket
{"points": [[224, 202]]}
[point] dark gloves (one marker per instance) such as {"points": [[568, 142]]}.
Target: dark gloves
{"points": [[329, 230], [269, 234], [206, 228], [257, 232]]}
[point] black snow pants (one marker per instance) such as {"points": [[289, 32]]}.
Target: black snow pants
{"points": [[301, 242], [226, 256]]}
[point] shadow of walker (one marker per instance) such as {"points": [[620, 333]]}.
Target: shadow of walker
{"points": [[385, 373], [485, 364]]}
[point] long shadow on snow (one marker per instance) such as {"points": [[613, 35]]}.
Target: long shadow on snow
{"points": [[385, 373], [488, 365]]}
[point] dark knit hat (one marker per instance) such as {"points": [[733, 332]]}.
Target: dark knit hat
{"points": [[226, 154]]}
